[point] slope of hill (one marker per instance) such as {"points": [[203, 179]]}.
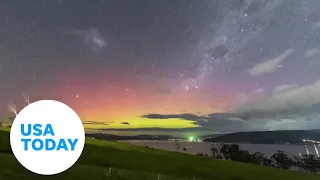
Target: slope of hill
{"points": [[268, 137], [101, 158]]}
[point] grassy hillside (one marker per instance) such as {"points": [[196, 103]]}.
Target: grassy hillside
{"points": [[133, 162]]}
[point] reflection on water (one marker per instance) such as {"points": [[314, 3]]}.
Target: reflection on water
{"points": [[204, 147]]}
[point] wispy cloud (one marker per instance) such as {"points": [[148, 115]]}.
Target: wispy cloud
{"points": [[310, 53], [288, 106], [284, 87], [287, 98], [269, 65], [92, 37]]}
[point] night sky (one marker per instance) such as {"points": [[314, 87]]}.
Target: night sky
{"points": [[205, 65]]}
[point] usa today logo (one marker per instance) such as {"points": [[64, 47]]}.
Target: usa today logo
{"points": [[47, 137]]}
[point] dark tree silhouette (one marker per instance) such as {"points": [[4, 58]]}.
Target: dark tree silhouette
{"points": [[257, 158], [267, 162], [234, 153], [229, 150], [282, 160], [297, 162], [310, 163], [177, 145], [215, 152]]}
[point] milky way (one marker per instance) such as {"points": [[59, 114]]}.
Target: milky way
{"points": [[205, 65]]}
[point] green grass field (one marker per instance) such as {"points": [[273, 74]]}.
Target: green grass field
{"points": [[113, 160]]}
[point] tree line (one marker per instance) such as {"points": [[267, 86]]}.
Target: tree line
{"points": [[307, 163]]}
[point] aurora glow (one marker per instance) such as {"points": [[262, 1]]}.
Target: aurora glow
{"points": [[214, 66]]}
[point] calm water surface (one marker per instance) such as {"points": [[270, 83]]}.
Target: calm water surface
{"points": [[204, 147]]}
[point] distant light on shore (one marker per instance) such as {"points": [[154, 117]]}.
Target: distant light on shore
{"points": [[191, 138]]}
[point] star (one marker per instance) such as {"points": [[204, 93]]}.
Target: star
{"points": [[203, 52]]}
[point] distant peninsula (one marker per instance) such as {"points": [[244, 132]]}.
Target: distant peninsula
{"points": [[268, 137]]}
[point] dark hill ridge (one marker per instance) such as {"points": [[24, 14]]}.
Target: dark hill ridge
{"points": [[103, 136], [268, 137]]}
